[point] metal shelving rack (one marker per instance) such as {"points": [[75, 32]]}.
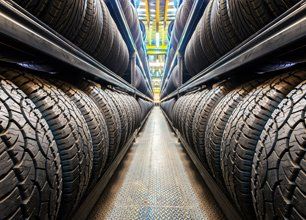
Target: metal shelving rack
{"points": [[121, 22], [27, 36], [190, 26], [284, 32]]}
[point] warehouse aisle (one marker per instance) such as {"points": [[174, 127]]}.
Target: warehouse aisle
{"points": [[156, 181]]}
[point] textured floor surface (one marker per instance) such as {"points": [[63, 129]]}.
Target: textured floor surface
{"points": [[156, 180]]}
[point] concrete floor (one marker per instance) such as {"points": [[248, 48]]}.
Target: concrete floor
{"points": [[156, 180]]}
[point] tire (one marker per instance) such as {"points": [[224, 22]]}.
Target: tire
{"points": [[104, 47], [242, 133], [181, 112], [70, 132], [190, 116], [277, 7], [216, 125], [64, 16], [200, 120], [129, 114], [122, 115], [91, 29], [184, 113], [33, 6], [30, 174], [248, 16], [110, 112], [222, 29], [96, 124], [278, 171], [199, 58], [133, 109], [208, 44]]}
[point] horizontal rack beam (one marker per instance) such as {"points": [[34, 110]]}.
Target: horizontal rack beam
{"points": [[283, 32], [17, 24]]}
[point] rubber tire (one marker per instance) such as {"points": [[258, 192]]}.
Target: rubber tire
{"points": [[70, 132], [110, 112], [129, 113], [277, 7], [91, 29], [248, 16], [102, 51], [122, 115], [200, 120], [222, 30], [216, 125], [243, 131], [207, 40], [190, 116], [184, 113], [30, 174], [96, 124], [278, 171], [33, 6]]}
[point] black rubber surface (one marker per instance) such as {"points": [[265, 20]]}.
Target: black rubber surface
{"points": [[216, 125], [70, 133], [200, 120], [122, 115], [30, 174], [96, 124], [190, 116], [278, 172], [248, 16], [91, 29], [110, 112], [242, 133], [222, 29]]}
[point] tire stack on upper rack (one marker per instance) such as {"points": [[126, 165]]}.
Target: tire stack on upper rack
{"points": [[87, 24], [138, 36], [249, 134], [181, 17], [225, 24], [57, 140], [59, 136], [251, 137]]}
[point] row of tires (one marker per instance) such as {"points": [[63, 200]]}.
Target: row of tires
{"points": [[177, 29], [251, 137], [225, 24], [57, 139], [88, 24], [138, 35]]}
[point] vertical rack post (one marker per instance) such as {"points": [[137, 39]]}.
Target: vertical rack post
{"points": [[180, 62], [133, 68]]}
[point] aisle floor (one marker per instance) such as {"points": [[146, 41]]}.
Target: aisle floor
{"points": [[156, 180]]}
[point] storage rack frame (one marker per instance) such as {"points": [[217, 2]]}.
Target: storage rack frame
{"points": [[283, 32], [24, 38], [35, 39], [286, 35]]}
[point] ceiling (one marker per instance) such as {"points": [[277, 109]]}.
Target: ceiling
{"points": [[156, 16]]}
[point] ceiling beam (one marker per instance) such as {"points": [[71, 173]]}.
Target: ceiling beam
{"points": [[157, 12]]}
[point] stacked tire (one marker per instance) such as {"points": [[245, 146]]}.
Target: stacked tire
{"points": [[226, 23], [251, 138], [57, 140], [87, 24], [181, 17], [138, 35], [145, 107]]}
